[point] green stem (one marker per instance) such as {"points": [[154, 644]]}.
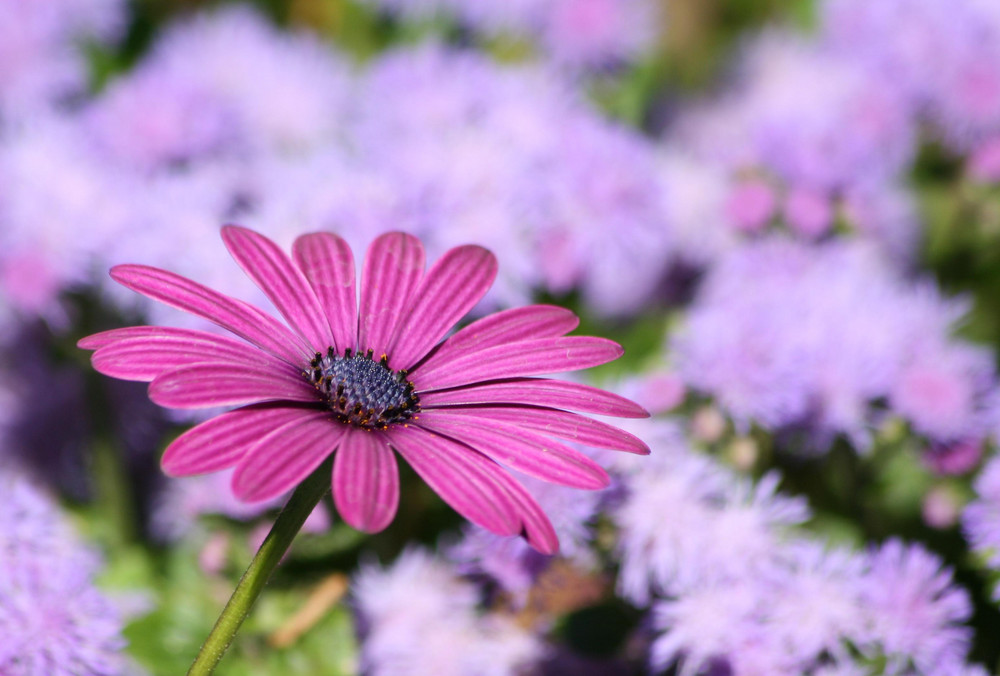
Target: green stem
{"points": [[286, 527]]}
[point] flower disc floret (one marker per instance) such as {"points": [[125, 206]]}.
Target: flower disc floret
{"points": [[361, 391]]}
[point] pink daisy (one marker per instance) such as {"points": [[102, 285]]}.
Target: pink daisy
{"points": [[364, 379]]}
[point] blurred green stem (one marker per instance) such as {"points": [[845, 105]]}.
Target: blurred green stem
{"points": [[286, 527]]}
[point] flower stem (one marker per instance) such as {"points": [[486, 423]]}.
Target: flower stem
{"points": [[286, 527]]}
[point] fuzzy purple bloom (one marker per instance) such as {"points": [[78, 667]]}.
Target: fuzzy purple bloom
{"points": [[981, 518], [787, 335], [53, 620], [777, 119], [419, 617], [917, 613], [943, 57], [224, 82], [364, 380], [42, 56]]}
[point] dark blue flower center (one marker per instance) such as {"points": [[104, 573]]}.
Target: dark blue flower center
{"points": [[361, 391]]}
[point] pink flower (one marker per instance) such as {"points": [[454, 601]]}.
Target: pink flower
{"points": [[362, 381]]}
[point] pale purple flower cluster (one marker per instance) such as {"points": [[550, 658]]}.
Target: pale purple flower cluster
{"points": [[735, 584], [579, 34], [565, 199], [229, 118], [42, 53], [981, 518], [227, 84], [52, 618], [419, 617], [774, 149], [786, 335], [944, 57]]}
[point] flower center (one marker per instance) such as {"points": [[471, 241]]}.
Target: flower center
{"points": [[361, 391]]}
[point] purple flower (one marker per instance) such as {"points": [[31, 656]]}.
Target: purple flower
{"points": [[530, 168], [917, 613], [363, 381], [418, 617], [787, 335], [981, 518], [944, 57], [53, 619], [222, 82], [41, 55], [777, 119], [687, 521]]}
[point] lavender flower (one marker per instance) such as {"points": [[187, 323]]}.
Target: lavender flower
{"points": [[321, 381], [720, 526], [917, 613], [53, 619], [223, 82], [766, 124], [530, 168], [42, 59], [943, 57], [981, 518], [787, 335], [419, 617]]}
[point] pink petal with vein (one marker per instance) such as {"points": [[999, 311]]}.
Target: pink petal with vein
{"points": [[271, 270], [143, 358], [243, 319], [538, 392], [527, 358], [286, 456], [507, 326], [562, 424], [207, 385], [328, 264], [453, 285], [365, 481], [99, 340], [221, 442], [536, 525], [519, 449], [465, 479], [392, 271]]}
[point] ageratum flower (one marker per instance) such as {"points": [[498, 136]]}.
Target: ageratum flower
{"points": [[361, 381]]}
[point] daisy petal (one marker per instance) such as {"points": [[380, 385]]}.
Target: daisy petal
{"points": [[365, 481], [465, 479], [562, 424], [286, 456], [519, 449], [536, 525], [527, 358], [392, 271], [507, 326], [209, 385], [538, 392], [99, 340], [221, 442], [273, 271], [243, 319], [143, 358], [453, 285], [328, 264]]}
